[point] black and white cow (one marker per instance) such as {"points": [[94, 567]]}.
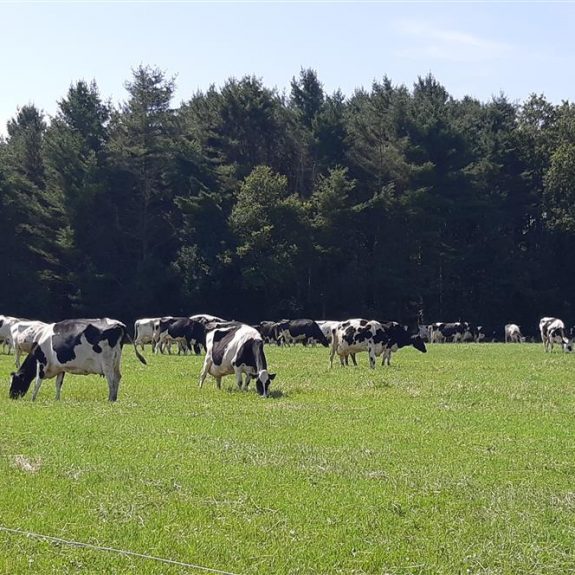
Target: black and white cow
{"points": [[356, 335], [553, 331], [300, 330], [456, 332], [268, 331], [237, 349], [513, 333], [78, 346], [206, 318], [189, 333]]}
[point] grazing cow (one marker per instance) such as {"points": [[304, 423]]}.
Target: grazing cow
{"points": [[144, 331], [237, 349], [24, 335], [78, 346], [356, 335], [186, 332], [268, 331], [301, 330], [513, 333], [457, 331], [327, 327], [206, 318], [553, 331], [6, 322]]}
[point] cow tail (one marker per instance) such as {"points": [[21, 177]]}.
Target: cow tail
{"points": [[128, 337]]}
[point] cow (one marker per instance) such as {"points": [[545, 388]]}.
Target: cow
{"points": [[237, 349], [77, 346], [6, 322], [206, 318], [300, 330], [24, 335], [144, 331], [327, 327], [355, 335], [458, 331], [268, 331], [513, 333], [553, 331], [188, 333]]}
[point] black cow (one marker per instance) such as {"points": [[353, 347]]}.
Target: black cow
{"points": [[183, 330], [300, 330], [78, 346], [268, 331], [456, 331]]}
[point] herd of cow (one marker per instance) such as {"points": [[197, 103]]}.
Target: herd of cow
{"points": [[94, 346]]}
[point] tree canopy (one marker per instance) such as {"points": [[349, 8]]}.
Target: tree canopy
{"points": [[255, 204]]}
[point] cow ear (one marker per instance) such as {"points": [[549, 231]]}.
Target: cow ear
{"points": [[12, 373], [272, 376]]}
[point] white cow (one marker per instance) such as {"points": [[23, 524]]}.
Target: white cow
{"points": [[144, 331], [6, 322], [24, 334], [327, 327], [513, 333], [553, 331]]}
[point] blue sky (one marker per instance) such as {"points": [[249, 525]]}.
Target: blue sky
{"points": [[473, 48]]}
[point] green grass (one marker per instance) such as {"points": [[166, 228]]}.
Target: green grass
{"points": [[461, 460]]}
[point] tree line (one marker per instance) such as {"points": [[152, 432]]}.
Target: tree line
{"points": [[254, 204]]}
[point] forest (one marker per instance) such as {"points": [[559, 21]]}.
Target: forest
{"points": [[252, 204]]}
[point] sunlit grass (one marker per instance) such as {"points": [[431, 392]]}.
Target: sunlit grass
{"points": [[460, 460]]}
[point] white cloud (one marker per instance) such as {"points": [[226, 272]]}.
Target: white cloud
{"points": [[427, 40]]}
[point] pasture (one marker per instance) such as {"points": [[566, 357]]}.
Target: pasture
{"points": [[461, 460]]}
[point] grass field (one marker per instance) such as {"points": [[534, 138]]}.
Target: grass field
{"points": [[461, 460]]}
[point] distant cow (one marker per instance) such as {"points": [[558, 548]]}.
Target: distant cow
{"points": [[327, 327], [240, 350], [356, 335], [268, 331], [513, 333], [189, 333], [456, 331], [6, 322], [78, 346], [144, 331], [300, 330], [24, 334], [206, 318], [553, 331]]}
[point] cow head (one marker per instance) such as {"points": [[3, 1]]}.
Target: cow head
{"points": [[418, 343], [21, 380], [19, 384], [263, 382], [567, 344]]}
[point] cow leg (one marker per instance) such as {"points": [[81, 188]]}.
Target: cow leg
{"points": [[371, 352], [331, 354], [59, 382], [17, 358], [247, 382], [205, 369], [113, 385], [239, 378], [38, 382], [353, 359]]}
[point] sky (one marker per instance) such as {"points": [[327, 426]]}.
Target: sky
{"points": [[473, 48]]}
